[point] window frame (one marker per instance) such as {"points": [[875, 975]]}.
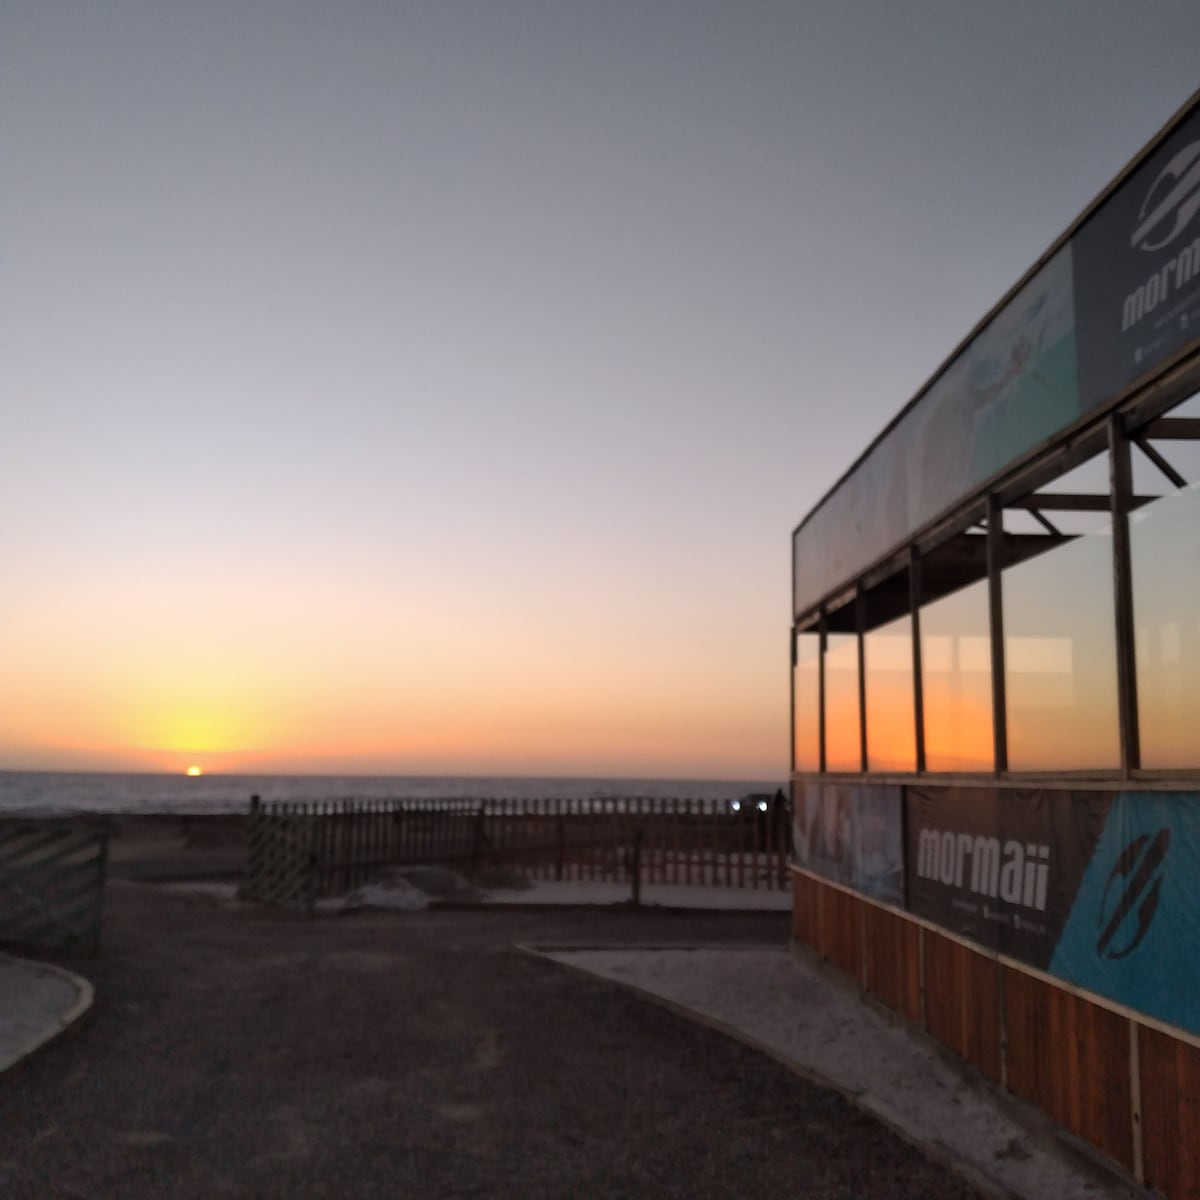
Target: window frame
{"points": [[1112, 433]]}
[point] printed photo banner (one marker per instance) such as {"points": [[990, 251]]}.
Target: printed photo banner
{"points": [[1095, 888], [852, 834], [1011, 388]]}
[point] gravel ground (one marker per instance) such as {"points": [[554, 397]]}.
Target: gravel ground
{"points": [[235, 1053]]}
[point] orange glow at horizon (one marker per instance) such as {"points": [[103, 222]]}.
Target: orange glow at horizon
{"points": [[254, 681]]}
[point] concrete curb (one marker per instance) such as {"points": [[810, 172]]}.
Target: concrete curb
{"points": [[11, 1054]]}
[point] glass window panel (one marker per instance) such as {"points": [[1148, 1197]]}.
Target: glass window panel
{"points": [[956, 676], [891, 723], [843, 750], [807, 727], [1060, 669], [1164, 539]]}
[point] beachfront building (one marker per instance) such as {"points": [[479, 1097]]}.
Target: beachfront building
{"points": [[996, 687]]}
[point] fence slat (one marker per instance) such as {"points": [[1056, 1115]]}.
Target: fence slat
{"points": [[648, 849], [711, 842], [757, 843], [769, 840]]}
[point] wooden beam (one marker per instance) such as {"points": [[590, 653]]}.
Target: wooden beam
{"points": [[1172, 429], [1062, 502], [1159, 461], [1047, 525]]}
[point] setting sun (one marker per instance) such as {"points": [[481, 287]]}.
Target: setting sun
{"points": [[194, 771]]}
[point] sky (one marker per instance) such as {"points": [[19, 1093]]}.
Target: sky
{"points": [[433, 387]]}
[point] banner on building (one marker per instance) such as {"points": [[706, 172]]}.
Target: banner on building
{"points": [[1012, 387], [852, 834], [1137, 269], [1133, 933], [1096, 888], [1001, 866], [1119, 298]]}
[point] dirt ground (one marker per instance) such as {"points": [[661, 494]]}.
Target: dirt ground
{"points": [[242, 1054]]}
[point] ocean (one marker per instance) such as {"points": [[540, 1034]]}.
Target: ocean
{"points": [[48, 792]]}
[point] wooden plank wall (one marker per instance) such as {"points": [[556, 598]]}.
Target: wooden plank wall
{"points": [[841, 930], [892, 972], [1170, 1090], [1059, 1051], [1070, 1057], [962, 1002], [806, 896]]}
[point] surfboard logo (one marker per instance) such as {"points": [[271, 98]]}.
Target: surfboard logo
{"points": [[1131, 895], [1171, 203]]}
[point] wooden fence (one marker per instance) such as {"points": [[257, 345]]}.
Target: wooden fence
{"points": [[299, 853], [52, 883]]}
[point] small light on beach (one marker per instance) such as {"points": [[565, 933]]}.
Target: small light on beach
{"points": [[194, 771]]}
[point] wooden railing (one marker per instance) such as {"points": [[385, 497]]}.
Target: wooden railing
{"points": [[299, 853], [52, 883]]}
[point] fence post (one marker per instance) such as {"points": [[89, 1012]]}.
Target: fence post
{"points": [[314, 862], [635, 868], [561, 837], [254, 839], [779, 818], [477, 841]]}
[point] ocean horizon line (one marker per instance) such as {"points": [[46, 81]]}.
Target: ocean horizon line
{"points": [[330, 774], [29, 792]]}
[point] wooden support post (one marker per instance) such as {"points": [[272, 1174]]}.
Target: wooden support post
{"points": [[860, 628], [1121, 489], [823, 643], [915, 596], [995, 565]]}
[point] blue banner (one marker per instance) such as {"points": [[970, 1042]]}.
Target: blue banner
{"points": [[1133, 932]]}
